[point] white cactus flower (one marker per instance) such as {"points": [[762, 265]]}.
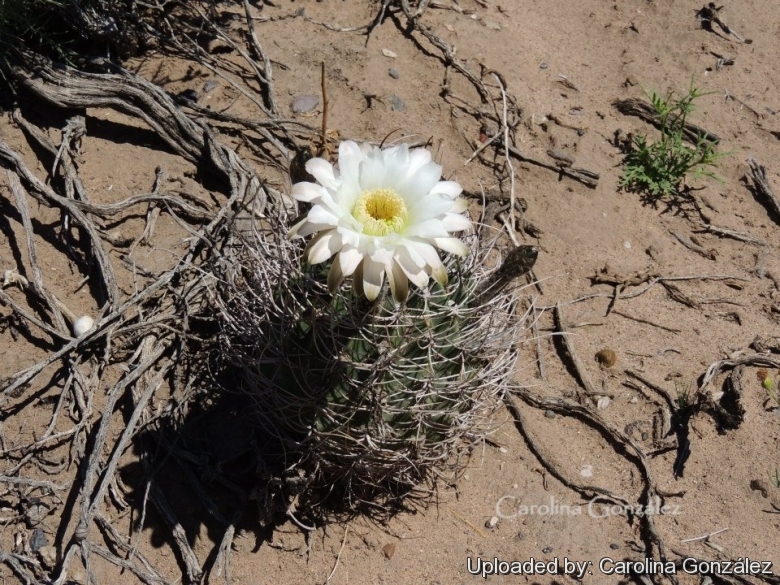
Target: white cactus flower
{"points": [[381, 212]]}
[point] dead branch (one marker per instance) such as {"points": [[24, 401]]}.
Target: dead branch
{"points": [[762, 187], [642, 109], [579, 367]]}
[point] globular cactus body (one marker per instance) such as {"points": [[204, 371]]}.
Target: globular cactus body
{"points": [[368, 401]]}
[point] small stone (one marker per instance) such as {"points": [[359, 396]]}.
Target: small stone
{"points": [[82, 325], [389, 54], [393, 73], [606, 357], [397, 104], [587, 471], [492, 25], [627, 245], [645, 435], [35, 514], [188, 95], [301, 104], [491, 523], [210, 86], [549, 414], [38, 540], [389, 550], [603, 403], [48, 556], [216, 46], [521, 535], [543, 65], [614, 546], [547, 550]]}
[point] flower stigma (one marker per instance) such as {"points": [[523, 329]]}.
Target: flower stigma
{"points": [[381, 211]]}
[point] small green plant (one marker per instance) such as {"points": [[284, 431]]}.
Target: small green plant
{"points": [[683, 395], [658, 168]]}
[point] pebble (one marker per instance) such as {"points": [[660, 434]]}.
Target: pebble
{"points": [[587, 471], [397, 104], [547, 550], [543, 65], [302, 104], [603, 403], [645, 436], [614, 546], [188, 95], [38, 540], [549, 414], [48, 555], [389, 54], [389, 550], [492, 25], [606, 357], [393, 73], [82, 325], [210, 86], [35, 514], [627, 245], [492, 523]]}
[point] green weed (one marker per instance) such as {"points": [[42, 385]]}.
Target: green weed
{"points": [[659, 168]]}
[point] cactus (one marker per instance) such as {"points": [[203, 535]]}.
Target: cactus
{"points": [[366, 402]]}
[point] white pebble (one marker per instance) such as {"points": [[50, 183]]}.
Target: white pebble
{"points": [[627, 245], [82, 325], [587, 471], [388, 53]]}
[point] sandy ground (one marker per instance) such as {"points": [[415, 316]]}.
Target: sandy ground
{"points": [[392, 81]]}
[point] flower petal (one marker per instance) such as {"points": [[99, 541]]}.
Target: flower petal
{"points": [[420, 183], [335, 277], [323, 246], [322, 170], [385, 169], [357, 280], [373, 277], [450, 188], [307, 192], [452, 245], [459, 206], [454, 222], [431, 228], [429, 207], [306, 228], [294, 230], [350, 155], [319, 214], [349, 259], [399, 284], [417, 158], [417, 274], [432, 260]]}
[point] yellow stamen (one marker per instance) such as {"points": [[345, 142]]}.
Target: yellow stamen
{"points": [[381, 211]]}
